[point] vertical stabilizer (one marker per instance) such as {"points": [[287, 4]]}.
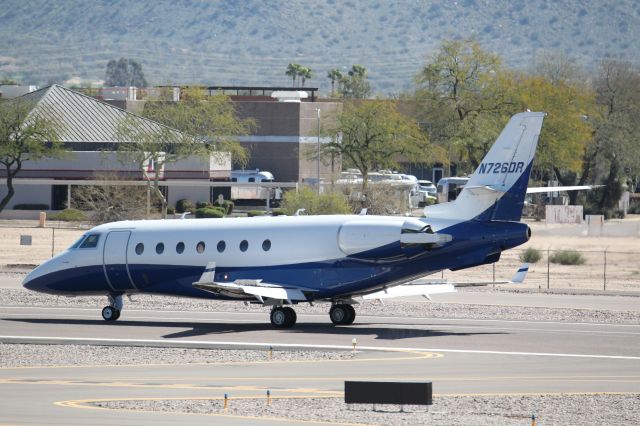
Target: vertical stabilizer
{"points": [[497, 188]]}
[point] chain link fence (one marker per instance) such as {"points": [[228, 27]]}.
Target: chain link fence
{"points": [[601, 270], [607, 270]]}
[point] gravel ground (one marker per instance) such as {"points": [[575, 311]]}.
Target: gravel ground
{"points": [[574, 409], [21, 297], [19, 355]]}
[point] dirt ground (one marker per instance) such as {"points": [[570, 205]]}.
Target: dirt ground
{"points": [[618, 268]]}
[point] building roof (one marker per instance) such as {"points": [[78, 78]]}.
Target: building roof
{"points": [[83, 118]]}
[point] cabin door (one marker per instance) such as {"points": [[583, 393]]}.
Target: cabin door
{"points": [[115, 261]]}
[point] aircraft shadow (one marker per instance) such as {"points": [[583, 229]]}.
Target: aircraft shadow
{"points": [[194, 329]]}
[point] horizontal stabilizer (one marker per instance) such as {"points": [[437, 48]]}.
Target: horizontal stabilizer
{"points": [[542, 189]]}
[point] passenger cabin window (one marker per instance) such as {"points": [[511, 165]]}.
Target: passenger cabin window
{"points": [[139, 248], [244, 245], [91, 241], [159, 248], [180, 247], [266, 245], [221, 246], [200, 247]]}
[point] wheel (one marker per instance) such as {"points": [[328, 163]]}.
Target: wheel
{"points": [[339, 314], [109, 313], [351, 315], [118, 311], [279, 317], [283, 317], [291, 316]]}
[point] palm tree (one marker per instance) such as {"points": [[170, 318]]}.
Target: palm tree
{"points": [[334, 74], [292, 71], [357, 71], [304, 73]]}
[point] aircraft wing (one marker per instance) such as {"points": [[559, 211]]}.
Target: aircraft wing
{"points": [[426, 289], [264, 293], [540, 189]]}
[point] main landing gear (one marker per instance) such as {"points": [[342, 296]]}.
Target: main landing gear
{"points": [[112, 311], [285, 317], [342, 314]]}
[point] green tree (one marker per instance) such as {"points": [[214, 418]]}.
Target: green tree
{"points": [[25, 135], [7, 80], [198, 125], [293, 71], [334, 75], [124, 72], [461, 97], [615, 146], [304, 74], [372, 135], [565, 134], [355, 85]]}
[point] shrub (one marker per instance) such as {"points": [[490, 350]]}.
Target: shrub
{"points": [[171, 210], [227, 205], [567, 257], [31, 207], [202, 205], [278, 212], [530, 255], [69, 215], [253, 213], [205, 212], [306, 198], [184, 205]]}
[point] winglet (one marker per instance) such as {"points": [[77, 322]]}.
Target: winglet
{"points": [[518, 278]]}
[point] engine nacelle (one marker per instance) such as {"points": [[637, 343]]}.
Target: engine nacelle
{"points": [[378, 239]]}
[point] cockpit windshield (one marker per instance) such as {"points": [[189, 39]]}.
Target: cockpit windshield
{"points": [[77, 243], [86, 241]]}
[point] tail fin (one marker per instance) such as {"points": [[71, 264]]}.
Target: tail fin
{"points": [[497, 188]]}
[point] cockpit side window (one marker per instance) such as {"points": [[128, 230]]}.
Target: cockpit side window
{"points": [[91, 241]]}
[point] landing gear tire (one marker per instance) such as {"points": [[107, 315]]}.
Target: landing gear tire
{"points": [[342, 314], [109, 313], [283, 317]]}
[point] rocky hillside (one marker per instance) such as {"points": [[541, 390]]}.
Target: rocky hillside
{"points": [[250, 42]]}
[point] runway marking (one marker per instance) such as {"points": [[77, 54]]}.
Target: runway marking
{"points": [[227, 345], [82, 403], [225, 313]]}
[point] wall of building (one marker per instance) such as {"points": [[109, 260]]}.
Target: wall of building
{"points": [[27, 194]]}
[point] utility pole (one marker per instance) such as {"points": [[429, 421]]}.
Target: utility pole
{"points": [[318, 109]]}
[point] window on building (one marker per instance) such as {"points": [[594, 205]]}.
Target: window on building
{"points": [[244, 245], [159, 248], [180, 247], [200, 247], [91, 241], [221, 246], [139, 248], [252, 179]]}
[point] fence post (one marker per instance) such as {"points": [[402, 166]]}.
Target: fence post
{"points": [[548, 267], [604, 273], [53, 240]]}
